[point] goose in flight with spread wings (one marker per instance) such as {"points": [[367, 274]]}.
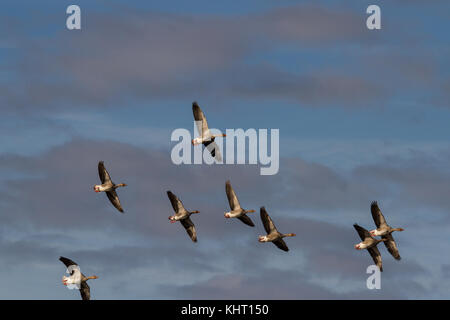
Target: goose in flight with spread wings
{"points": [[182, 215], [236, 210], [384, 230], [272, 233], [206, 137], [369, 243], [76, 278], [108, 186]]}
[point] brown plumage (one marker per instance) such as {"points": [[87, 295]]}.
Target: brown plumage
{"points": [[272, 233], [206, 138], [182, 215], [384, 230], [108, 186], [369, 243], [77, 276], [236, 210]]}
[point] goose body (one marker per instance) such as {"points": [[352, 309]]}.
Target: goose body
{"points": [[206, 137], [370, 244], [77, 278], [108, 186], [236, 210], [384, 230], [272, 233], [182, 215]]}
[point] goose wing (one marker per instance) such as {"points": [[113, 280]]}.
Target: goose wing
{"points": [[376, 256], [114, 198], [85, 291], [103, 173], [281, 244], [67, 262], [231, 195], [213, 148], [267, 221], [363, 233], [200, 120], [177, 205], [190, 228], [391, 246], [246, 219], [377, 215]]}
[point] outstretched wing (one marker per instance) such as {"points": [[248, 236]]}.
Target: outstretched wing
{"points": [[246, 219], [103, 173], [281, 244], [85, 291], [190, 228], [376, 256], [200, 120], [114, 198], [177, 205], [67, 262], [213, 148], [391, 246], [377, 215], [231, 195], [363, 233], [267, 221]]}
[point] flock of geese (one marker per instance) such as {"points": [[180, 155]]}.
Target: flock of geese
{"points": [[384, 230], [79, 280]]}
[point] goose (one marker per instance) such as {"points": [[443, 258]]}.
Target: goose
{"points": [[108, 186], [182, 215], [369, 243], [272, 233], [77, 278], [236, 210], [384, 230], [206, 138]]}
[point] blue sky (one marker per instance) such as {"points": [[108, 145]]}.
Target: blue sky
{"points": [[363, 115]]}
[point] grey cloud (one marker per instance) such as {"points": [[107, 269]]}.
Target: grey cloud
{"points": [[149, 56]]}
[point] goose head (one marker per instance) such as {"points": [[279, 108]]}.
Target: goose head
{"points": [[97, 188], [358, 246], [262, 239], [66, 280], [172, 219], [72, 281], [196, 141], [227, 215], [373, 233]]}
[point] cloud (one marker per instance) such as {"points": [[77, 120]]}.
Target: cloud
{"points": [[63, 216], [148, 56]]}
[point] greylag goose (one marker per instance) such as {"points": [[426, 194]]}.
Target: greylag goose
{"points": [[108, 186], [272, 233], [236, 210], [384, 230], [77, 278], [182, 215], [206, 138], [369, 243]]}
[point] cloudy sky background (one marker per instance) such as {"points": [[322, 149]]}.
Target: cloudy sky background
{"points": [[363, 115]]}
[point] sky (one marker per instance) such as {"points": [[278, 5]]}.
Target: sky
{"points": [[362, 115]]}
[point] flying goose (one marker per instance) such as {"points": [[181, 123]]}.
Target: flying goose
{"points": [[108, 186], [272, 233], [182, 215], [77, 278], [369, 243], [236, 210], [206, 138], [384, 230]]}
